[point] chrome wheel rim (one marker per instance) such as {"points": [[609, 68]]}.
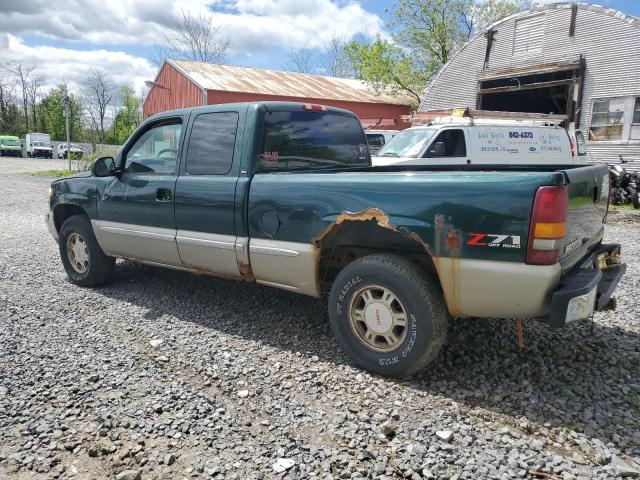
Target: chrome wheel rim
{"points": [[378, 318], [78, 253]]}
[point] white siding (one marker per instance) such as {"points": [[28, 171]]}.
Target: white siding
{"points": [[608, 40], [529, 36]]}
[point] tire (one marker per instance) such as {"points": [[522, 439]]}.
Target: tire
{"points": [[91, 267], [419, 300]]}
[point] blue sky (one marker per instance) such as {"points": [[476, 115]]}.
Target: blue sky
{"points": [[67, 38]]}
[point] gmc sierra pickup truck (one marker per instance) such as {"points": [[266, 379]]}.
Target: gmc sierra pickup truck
{"points": [[284, 194]]}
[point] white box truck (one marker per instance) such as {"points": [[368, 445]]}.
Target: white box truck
{"points": [[38, 145]]}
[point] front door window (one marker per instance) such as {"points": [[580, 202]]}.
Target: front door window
{"points": [[156, 151]]}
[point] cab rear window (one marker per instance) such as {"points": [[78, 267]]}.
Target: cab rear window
{"points": [[303, 140]]}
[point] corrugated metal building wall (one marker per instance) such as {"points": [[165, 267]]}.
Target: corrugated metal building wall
{"points": [[179, 92], [608, 41]]}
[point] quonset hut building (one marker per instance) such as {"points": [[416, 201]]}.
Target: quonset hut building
{"points": [[576, 59]]}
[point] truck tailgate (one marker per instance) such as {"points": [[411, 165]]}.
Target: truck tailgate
{"points": [[588, 189]]}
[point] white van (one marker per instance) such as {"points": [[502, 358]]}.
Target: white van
{"points": [[516, 144]]}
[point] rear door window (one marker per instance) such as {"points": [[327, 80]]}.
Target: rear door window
{"points": [[211, 144], [312, 140]]}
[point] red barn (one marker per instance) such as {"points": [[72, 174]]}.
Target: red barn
{"points": [[181, 84]]}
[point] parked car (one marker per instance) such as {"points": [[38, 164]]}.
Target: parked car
{"points": [[379, 138], [10, 146], [38, 145], [283, 194], [452, 144], [76, 151]]}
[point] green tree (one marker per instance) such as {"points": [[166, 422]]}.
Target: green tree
{"points": [[387, 68], [128, 117], [425, 35], [52, 107]]}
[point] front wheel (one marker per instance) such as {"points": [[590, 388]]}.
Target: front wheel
{"points": [[83, 259], [388, 315]]}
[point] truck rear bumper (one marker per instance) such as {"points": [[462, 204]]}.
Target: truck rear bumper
{"points": [[588, 287]]}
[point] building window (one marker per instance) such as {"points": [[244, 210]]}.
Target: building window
{"points": [[607, 119], [635, 120], [529, 36]]}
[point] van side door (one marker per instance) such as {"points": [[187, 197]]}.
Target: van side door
{"points": [[205, 193], [448, 147]]}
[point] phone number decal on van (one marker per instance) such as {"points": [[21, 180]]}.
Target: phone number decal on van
{"points": [[520, 134]]}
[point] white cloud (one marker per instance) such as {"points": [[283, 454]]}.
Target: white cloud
{"points": [[250, 24], [59, 65]]}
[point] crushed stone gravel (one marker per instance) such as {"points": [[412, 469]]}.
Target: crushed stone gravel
{"points": [[165, 375]]}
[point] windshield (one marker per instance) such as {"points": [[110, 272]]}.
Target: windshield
{"points": [[408, 143], [39, 143], [9, 142]]}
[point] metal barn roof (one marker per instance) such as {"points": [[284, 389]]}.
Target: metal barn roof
{"points": [[229, 78]]}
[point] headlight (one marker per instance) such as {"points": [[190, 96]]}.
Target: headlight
{"points": [[50, 192]]}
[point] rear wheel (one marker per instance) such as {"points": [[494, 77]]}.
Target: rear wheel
{"points": [[83, 259], [388, 315]]}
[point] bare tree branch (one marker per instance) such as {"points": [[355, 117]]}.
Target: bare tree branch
{"points": [[197, 38], [98, 93], [22, 73], [302, 60]]}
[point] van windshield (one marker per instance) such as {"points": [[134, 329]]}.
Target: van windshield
{"points": [[408, 143], [10, 142], [40, 143]]}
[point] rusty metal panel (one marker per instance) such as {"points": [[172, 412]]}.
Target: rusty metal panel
{"points": [[229, 78], [361, 109]]}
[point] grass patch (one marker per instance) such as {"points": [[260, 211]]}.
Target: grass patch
{"points": [[53, 173], [572, 428], [621, 207]]}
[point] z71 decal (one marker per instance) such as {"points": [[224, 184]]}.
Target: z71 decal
{"points": [[494, 240]]}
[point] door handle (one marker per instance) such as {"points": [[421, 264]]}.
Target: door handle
{"points": [[163, 195]]}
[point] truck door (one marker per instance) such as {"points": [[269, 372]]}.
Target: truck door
{"points": [[135, 209], [449, 147], [205, 194]]}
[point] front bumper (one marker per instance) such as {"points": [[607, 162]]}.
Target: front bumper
{"points": [[51, 225], [10, 153], [588, 287], [41, 153]]}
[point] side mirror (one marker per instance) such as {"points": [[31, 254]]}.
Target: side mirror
{"points": [[439, 149], [104, 167]]}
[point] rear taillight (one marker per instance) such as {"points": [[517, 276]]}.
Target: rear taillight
{"points": [[314, 107], [548, 225]]}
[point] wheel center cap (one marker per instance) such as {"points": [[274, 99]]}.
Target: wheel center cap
{"points": [[378, 317]]}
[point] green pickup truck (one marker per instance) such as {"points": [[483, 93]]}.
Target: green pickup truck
{"points": [[284, 194]]}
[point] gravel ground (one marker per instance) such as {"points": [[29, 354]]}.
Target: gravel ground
{"points": [[163, 375]]}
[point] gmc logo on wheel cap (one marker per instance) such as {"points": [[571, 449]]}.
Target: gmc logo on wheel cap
{"points": [[493, 240]]}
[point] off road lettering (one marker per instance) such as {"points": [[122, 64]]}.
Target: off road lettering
{"points": [[494, 240]]}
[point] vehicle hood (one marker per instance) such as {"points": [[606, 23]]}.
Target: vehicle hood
{"points": [[384, 161], [86, 174]]}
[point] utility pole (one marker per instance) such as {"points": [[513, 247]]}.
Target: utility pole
{"points": [[66, 124]]}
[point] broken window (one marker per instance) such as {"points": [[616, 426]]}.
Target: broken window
{"points": [[607, 116]]}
